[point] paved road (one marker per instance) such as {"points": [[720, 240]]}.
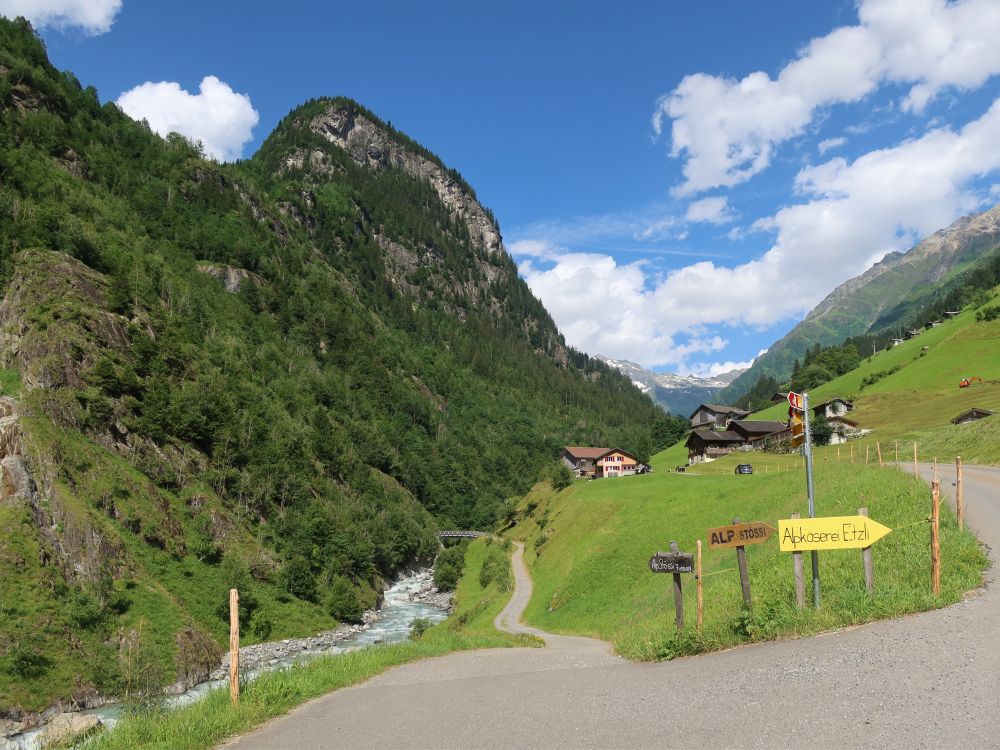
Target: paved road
{"points": [[930, 680]]}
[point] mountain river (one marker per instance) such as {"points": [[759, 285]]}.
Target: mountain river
{"points": [[400, 607]]}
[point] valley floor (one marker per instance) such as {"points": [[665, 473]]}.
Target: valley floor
{"points": [[920, 681]]}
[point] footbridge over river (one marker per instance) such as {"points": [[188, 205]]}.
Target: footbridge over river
{"points": [[461, 534]]}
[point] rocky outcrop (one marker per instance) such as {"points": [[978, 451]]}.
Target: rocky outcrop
{"points": [[54, 321], [230, 276], [370, 146]]}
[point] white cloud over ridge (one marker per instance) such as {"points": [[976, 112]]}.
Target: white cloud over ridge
{"points": [[92, 16], [849, 215], [727, 129], [221, 119]]}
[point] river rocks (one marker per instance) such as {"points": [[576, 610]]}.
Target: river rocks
{"points": [[67, 727]]}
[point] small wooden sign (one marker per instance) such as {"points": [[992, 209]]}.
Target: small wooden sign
{"points": [[672, 562], [739, 535]]}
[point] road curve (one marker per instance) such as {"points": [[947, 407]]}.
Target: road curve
{"points": [[928, 680]]}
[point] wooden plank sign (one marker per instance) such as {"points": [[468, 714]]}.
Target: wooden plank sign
{"points": [[672, 562], [739, 535], [833, 532]]}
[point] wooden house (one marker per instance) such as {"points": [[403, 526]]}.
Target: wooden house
{"points": [[583, 460], [715, 416], [705, 444]]}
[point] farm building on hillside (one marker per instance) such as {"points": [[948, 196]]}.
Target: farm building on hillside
{"points": [[616, 463], [972, 415], [705, 444], [714, 415], [844, 429], [779, 397], [758, 433], [582, 460], [835, 407]]}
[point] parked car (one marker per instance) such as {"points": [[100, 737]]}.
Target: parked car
{"points": [[744, 469]]}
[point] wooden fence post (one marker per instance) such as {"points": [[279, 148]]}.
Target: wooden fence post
{"points": [[868, 450], [935, 538], [234, 646], [959, 499], [897, 454], [916, 471], [878, 447], [741, 563], [935, 474], [866, 557], [698, 582], [678, 595], [800, 578]]}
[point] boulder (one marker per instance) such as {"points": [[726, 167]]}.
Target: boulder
{"points": [[66, 728]]}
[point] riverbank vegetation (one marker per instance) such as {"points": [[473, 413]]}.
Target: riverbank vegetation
{"points": [[483, 589]]}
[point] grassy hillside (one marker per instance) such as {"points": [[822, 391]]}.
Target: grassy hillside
{"points": [[589, 548], [901, 392]]}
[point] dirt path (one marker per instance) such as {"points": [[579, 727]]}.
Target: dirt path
{"points": [[930, 680]]}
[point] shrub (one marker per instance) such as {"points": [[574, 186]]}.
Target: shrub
{"points": [[448, 567], [418, 627], [343, 602], [561, 476], [260, 625], [297, 578]]}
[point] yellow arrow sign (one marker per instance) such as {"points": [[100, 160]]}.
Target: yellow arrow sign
{"points": [[833, 532]]}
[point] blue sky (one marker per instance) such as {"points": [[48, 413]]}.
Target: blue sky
{"points": [[679, 183]]}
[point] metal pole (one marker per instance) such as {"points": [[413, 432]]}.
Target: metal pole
{"points": [[812, 499]]}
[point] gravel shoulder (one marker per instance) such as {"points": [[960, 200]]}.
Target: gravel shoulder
{"points": [[928, 680]]}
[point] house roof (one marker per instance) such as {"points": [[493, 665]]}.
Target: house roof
{"points": [[758, 426], [711, 436], [845, 420], [619, 450], [832, 400], [975, 413], [577, 451], [718, 409]]}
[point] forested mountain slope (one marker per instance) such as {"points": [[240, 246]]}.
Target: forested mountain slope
{"points": [[282, 374], [882, 296]]}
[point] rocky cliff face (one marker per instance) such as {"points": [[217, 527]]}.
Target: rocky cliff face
{"points": [[370, 146]]}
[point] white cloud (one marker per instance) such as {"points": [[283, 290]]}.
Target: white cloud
{"points": [[711, 211], [93, 16], [727, 129], [217, 116], [830, 143], [850, 215], [706, 370]]}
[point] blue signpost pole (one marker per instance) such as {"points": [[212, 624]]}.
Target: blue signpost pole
{"points": [[812, 499]]}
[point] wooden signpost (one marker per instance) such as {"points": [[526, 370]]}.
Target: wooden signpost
{"points": [[936, 537], [675, 562], [739, 535], [234, 646], [832, 532]]}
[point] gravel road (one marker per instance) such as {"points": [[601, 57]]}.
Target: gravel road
{"points": [[930, 680]]}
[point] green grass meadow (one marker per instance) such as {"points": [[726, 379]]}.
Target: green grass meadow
{"points": [[589, 548], [205, 724]]}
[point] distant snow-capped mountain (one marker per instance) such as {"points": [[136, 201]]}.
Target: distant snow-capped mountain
{"points": [[679, 394]]}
